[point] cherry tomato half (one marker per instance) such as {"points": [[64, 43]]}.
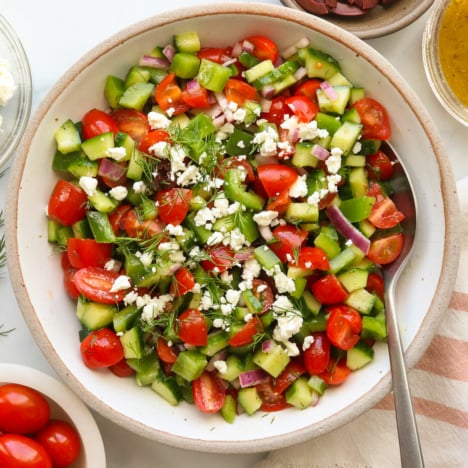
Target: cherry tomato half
{"points": [[182, 283], [317, 355], [132, 122], [222, 258], [168, 95], [19, 451], [192, 327], [67, 203], [304, 108], [95, 284], [61, 442], [88, 252], [374, 118], [95, 122], [276, 178], [239, 91], [311, 258], [328, 290], [287, 241], [344, 326], [101, 348], [208, 392], [264, 48], [245, 335], [336, 372], [151, 138], [380, 166], [384, 213], [386, 249], [173, 205], [22, 409]]}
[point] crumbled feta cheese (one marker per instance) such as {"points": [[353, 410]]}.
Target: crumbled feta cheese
{"points": [[264, 218], [220, 366], [167, 246], [121, 283], [7, 82], [177, 256], [89, 185], [157, 120], [232, 296], [333, 181], [146, 258], [267, 140], [299, 188], [283, 283], [357, 147], [175, 230], [159, 149], [130, 298], [215, 238], [219, 323], [118, 193], [237, 239], [289, 320], [333, 162], [307, 343], [117, 153], [190, 176], [139, 186], [177, 156], [113, 265], [153, 306]]}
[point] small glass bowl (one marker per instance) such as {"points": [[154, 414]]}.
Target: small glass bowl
{"points": [[15, 113], [432, 66]]}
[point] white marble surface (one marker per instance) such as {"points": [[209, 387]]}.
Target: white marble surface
{"points": [[55, 34]]}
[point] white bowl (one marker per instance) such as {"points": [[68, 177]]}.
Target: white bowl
{"points": [[15, 113], [64, 405], [422, 295]]}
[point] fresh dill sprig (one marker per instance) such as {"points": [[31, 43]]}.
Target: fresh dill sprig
{"points": [[5, 332]]}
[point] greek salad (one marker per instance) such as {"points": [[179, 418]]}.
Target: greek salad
{"points": [[222, 223]]}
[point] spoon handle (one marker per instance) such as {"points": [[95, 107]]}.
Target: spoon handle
{"points": [[410, 447]]}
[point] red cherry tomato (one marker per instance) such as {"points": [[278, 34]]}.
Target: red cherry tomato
{"points": [[136, 227], [380, 166], [67, 203], [375, 284], [95, 122], [122, 369], [287, 241], [118, 216], [245, 335], [215, 54], [278, 109], [235, 162], [19, 451], [95, 284], [165, 352], [88, 252], [276, 178], [304, 108], [374, 118], [311, 258], [386, 249], [132, 122], [264, 48], [222, 258], [151, 138], [384, 213], [308, 88], [328, 290], [239, 91], [192, 327], [279, 202], [61, 441], [173, 205], [22, 409], [317, 355], [336, 372], [291, 372], [344, 326], [196, 96], [208, 392], [101, 348], [272, 400], [182, 283], [168, 95]]}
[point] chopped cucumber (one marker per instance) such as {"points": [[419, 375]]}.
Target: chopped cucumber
{"points": [[249, 399], [94, 315], [359, 356], [274, 361]]}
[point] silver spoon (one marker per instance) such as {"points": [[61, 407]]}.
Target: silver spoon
{"points": [[410, 447]]}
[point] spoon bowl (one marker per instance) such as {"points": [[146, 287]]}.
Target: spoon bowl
{"points": [[410, 448]]}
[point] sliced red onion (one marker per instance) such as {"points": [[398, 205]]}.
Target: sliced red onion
{"points": [[169, 52], [347, 230], [229, 61], [329, 90], [268, 91], [293, 135], [303, 42], [111, 170], [236, 49], [154, 62], [247, 46], [320, 152], [289, 51], [219, 121], [222, 100], [252, 377], [266, 104], [300, 73], [244, 254], [268, 346]]}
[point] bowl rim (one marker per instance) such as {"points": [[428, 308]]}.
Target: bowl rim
{"points": [[24, 87], [449, 266], [355, 26], [55, 390], [433, 69]]}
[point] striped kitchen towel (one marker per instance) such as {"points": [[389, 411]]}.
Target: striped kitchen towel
{"points": [[439, 384]]}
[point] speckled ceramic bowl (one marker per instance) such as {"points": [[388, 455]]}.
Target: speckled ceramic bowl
{"points": [[64, 405], [36, 276], [378, 21]]}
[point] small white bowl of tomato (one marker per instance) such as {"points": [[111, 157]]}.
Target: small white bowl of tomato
{"points": [[43, 424]]}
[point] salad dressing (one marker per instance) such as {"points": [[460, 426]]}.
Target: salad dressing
{"points": [[453, 48]]}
